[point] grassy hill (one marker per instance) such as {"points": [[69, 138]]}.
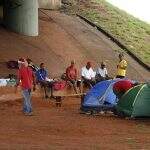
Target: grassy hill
{"points": [[132, 32]]}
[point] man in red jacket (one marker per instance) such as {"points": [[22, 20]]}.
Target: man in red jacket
{"points": [[26, 79], [120, 87]]}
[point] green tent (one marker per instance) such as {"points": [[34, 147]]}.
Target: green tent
{"points": [[135, 102]]}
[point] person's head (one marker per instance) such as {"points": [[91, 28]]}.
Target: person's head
{"points": [[103, 65], [22, 63], [42, 65], [72, 63], [121, 56], [88, 65]]}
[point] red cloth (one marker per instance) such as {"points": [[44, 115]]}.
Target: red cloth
{"points": [[25, 74], [122, 85], [59, 85], [71, 73]]}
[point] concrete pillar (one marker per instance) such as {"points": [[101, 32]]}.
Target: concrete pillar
{"points": [[50, 4], [21, 16]]}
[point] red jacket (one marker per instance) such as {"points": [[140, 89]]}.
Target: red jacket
{"points": [[25, 75]]}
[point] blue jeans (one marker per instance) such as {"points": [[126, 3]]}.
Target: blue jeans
{"points": [[27, 107]]}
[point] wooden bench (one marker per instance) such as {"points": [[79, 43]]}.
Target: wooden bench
{"points": [[7, 93], [66, 92]]}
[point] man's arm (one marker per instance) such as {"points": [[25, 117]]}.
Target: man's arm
{"points": [[68, 73], [123, 67], [97, 71], [93, 74], [46, 74], [83, 74], [106, 73]]}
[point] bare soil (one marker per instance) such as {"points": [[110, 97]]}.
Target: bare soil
{"points": [[63, 38], [52, 128]]}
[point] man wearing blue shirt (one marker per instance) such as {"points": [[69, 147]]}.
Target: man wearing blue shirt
{"points": [[42, 76]]}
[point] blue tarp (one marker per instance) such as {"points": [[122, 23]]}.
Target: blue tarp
{"points": [[100, 94]]}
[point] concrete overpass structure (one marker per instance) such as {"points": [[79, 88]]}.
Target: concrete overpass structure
{"points": [[21, 16], [49, 4]]}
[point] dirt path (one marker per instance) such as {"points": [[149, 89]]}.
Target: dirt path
{"points": [[64, 128], [63, 38]]}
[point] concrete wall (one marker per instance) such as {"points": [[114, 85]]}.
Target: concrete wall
{"points": [[22, 16], [50, 4]]}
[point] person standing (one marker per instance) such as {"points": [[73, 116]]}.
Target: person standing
{"points": [[27, 79], [121, 67]]}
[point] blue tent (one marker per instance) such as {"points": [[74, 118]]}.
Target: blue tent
{"points": [[101, 96]]}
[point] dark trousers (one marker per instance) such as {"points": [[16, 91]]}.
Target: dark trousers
{"points": [[47, 86], [100, 78], [89, 83], [121, 77]]}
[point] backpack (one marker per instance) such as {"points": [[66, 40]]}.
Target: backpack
{"points": [[12, 64]]}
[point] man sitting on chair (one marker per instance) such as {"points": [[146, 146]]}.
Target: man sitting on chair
{"points": [[88, 75], [101, 73], [71, 74], [42, 78]]}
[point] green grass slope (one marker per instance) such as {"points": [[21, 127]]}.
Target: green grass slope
{"points": [[133, 33]]}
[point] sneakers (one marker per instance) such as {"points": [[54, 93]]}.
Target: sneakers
{"points": [[28, 114], [85, 112], [102, 112]]}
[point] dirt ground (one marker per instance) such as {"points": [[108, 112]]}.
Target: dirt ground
{"points": [[63, 38], [52, 128]]}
